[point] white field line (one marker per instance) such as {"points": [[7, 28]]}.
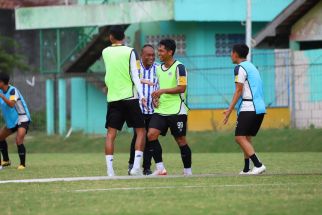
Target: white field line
{"points": [[102, 178], [190, 187]]}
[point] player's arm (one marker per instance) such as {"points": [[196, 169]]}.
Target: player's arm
{"points": [[12, 99], [135, 67], [240, 78], [180, 88]]}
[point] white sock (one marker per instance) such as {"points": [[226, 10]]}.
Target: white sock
{"points": [[159, 166], [137, 159], [109, 164], [187, 171]]}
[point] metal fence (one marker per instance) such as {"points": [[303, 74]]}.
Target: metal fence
{"points": [[290, 80]]}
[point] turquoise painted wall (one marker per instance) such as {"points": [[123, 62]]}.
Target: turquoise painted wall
{"points": [[211, 77], [227, 10], [314, 58], [88, 106]]}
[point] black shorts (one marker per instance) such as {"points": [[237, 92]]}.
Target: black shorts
{"points": [[248, 123], [176, 123], [24, 125], [128, 111]]}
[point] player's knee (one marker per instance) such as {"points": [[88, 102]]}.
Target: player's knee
{"points": [[181, 141], [238, 139], [141, 132], [152, 136]]}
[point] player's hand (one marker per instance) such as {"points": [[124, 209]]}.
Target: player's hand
{"points": [[144, 102], [157, 93], [226, 116], [155, 102], [143, 81]]}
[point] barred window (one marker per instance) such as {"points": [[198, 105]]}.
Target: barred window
{"points": [[225, 42], [180, 40]]}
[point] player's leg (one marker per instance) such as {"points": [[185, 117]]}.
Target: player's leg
{"points": [[132, 152], [158, 125], [147, 157], [21, 133], [4, 133], [114, 122], [243, 133], [178, 127], [148, 150], [134, 118]]}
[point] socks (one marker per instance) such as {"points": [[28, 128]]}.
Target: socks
{"points": [[246, 166], [187, 171], [255, 160], [4, 150], [137, 159], [157, 151], [109, 165], [132, 150], [159, 166], [186, 156], [22, 154], [147, 155]]}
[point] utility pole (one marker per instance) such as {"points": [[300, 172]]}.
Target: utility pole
{"points": [[249, 28]]}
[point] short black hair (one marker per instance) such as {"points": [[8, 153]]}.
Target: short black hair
{"points": [[117, 31], [4, 77], [147, 45], [241, 49], [169, 45]]}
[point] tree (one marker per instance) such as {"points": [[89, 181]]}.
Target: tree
{"points": [[9, 60]]}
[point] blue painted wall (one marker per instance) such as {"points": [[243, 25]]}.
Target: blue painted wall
{"points": [[314, 58], [227, 10], [88, 106]]}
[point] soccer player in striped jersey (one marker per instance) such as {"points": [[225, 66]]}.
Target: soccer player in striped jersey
{"points": [[149, 82], [17, 118]]}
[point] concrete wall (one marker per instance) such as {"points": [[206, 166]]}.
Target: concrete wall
{"points": [[307, 89]]}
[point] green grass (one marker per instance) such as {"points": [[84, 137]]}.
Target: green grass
{"points": [[273, 140], [292, 185]]}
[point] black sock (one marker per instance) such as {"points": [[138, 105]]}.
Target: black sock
{"points": [[22, 154], [4, 150], [157, 151], [186, 156], [132, 150], [147, 155], [246, 166], [255, 160]]}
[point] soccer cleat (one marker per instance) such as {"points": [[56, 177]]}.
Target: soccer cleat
{"points": [[6, 163], [129, 169], [147, 172], [159, 172], [245, 173], [21, 167], [136, 172], [187, 173], [258, 170]]}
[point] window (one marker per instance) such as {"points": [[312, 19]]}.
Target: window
{"points": [[179, 38], [225, 42]]}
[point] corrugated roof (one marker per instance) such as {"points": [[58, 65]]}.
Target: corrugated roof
{"points": [[276, 34]]}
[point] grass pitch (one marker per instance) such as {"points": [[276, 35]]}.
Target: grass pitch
{"points": [[292, 185]]}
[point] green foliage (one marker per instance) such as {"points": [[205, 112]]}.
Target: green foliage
{"points": [[9, 60]]}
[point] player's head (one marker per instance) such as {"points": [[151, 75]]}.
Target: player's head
{"points": [[239, 52], [147, 55], [4, 79], [166, 49], [116, 33]]}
